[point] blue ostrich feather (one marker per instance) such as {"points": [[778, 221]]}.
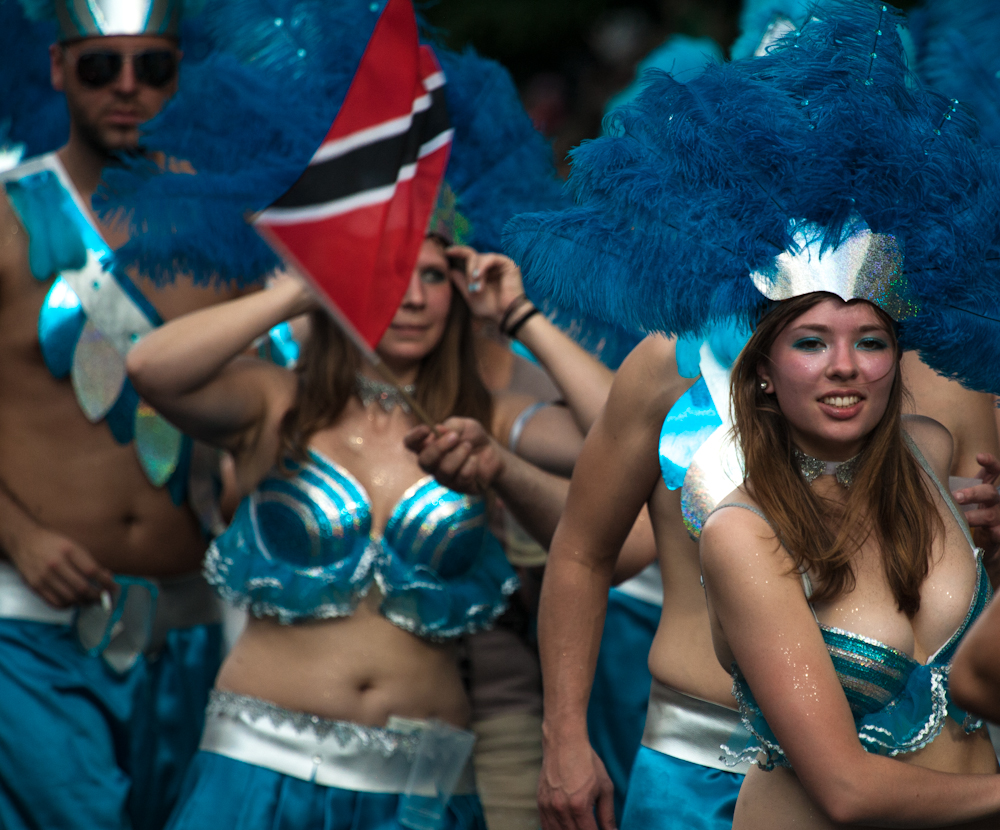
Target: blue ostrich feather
{"points": [[696, 186], [253, 105], [34, 113], [959, 46]]}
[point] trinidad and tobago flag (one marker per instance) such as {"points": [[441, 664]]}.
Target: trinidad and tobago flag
{"points": [[355, 220]]}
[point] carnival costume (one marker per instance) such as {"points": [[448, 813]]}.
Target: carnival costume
{"points": [[820, 165]]}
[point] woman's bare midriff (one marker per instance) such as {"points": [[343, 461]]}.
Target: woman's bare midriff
{"points": [[776, 800], [360, 668]]}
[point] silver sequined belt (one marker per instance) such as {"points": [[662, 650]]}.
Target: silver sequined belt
{"points": [[331, 753], [691, 729], [166, 604]]}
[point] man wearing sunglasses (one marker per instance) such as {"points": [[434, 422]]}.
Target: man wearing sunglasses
{"points": [[108, 635]]}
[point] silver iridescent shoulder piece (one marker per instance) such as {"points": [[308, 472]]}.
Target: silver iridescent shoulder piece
{"points": [[864, 266], [97, 18]]}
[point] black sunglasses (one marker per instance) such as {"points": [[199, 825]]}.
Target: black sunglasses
{"points": [[155, 68]]}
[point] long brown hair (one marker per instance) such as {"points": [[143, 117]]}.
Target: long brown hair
{"points": [[889, 498], [448, 381]]}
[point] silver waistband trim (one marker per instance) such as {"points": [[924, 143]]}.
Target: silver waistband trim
{"points": [[181, 602], [691, 729], [331, 753]]}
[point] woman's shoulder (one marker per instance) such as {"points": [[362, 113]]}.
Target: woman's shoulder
{"points": [[737, 523], [933, 440]]}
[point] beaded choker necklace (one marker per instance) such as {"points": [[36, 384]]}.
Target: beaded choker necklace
{"points": [[812, 468], [384, 394]]}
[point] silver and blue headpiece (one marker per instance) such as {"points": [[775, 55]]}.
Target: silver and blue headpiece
{"points": [[862, 266], [106, 18]]}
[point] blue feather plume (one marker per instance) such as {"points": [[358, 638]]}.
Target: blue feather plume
{"points": [[35, 114], [697, 185]]}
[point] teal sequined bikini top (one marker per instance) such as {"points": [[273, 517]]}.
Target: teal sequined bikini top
{"points": [[301, 546], [899, 704]]}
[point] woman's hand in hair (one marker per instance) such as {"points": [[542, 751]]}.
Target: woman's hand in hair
{"points": [[462, 456], [490, 283]]}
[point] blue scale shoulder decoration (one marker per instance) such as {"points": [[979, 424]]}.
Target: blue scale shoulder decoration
{"points": [[697, 453], [91, 317]]}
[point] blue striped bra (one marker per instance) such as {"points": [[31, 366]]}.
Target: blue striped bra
{"points": [[301, 547], [899, 704]]}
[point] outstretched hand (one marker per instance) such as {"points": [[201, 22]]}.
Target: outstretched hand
{"points": [[986, 500], [575, 791], [462, 455]]}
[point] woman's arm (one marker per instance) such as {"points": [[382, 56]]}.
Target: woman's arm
{"points": [[187, 368], [491, 284], [761, 620], [974, 680]]}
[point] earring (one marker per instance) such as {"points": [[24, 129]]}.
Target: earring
{"points": [[763, 386]]}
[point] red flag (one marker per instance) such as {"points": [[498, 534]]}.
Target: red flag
{"points": [[354, 222]]}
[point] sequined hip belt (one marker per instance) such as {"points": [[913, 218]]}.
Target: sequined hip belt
{"points": [[331, 753], [135, 622], [689, 728]]}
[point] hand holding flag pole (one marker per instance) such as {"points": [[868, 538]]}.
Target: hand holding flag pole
{"points": [[354, 222]]}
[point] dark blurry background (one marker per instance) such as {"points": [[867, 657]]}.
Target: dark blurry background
{"points": [[569, 57]]}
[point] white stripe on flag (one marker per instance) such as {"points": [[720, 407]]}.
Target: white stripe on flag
{"points": [[369, 135]]}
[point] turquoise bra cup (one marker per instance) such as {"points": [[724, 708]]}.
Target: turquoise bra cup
{"points": [[899, 705], [301, 547]]}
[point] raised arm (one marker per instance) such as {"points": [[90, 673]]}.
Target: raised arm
{"points": [[189, 368], [491, 284], [761, 620]]}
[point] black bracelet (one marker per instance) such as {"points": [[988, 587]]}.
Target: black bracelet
{"points": [[514, 329], [511, 310]]}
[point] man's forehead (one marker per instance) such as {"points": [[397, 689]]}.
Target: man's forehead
{"points": [[121, 43]]}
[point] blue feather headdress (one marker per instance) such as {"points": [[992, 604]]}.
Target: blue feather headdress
{"points": [[702, 184]]}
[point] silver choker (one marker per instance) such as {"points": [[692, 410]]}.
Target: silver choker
{"points": [[384, 394], [812, 468]]}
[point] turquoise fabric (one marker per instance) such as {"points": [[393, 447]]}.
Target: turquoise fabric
{"points": [[616, 715], [221, 793], [301, 546], [82, 747], [666, 793]]}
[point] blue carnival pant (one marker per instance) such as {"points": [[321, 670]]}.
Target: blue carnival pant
{"points": [[221, 793], [84, 747], [666, 793]]}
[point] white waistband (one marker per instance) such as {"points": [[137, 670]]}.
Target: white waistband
{"points": [[330, 753], [691, 729], [181, 602]]}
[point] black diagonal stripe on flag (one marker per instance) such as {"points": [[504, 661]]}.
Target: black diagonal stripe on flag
{"points": [[369, 166]]}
